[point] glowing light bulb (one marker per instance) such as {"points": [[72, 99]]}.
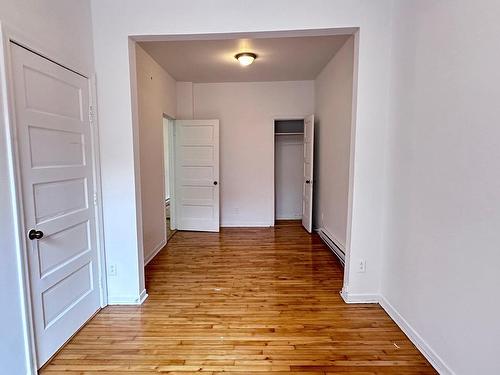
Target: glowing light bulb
{"points": [[245, 58]]}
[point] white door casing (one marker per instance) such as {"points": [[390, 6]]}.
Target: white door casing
{"points": [[56, 169], [197, 175], [307, 201]]}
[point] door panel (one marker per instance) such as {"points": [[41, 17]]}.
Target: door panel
{"points": [[55, 148], [197, 175], [55, 152], [308, 173], [57, 198]]}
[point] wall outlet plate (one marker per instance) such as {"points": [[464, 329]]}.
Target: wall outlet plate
{"points": [[112, 270], [361, 266]]}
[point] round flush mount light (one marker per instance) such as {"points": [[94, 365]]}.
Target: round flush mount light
{"points": [[245, 58]]}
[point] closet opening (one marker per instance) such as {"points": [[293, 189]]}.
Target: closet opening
{"points": [[288, 169]]}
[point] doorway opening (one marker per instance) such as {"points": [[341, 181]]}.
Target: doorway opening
{"points": [[293, 170], [168, 169], [253, 188], [288, 168]]}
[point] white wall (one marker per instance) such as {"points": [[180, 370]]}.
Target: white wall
{"points": [[112, 26], [156, 94], [289, 176], [43, 26], [443, 209], [184, 100], [333, 118], [246, 112]]}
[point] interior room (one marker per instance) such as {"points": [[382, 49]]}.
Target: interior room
{"points": [[263, 109], [234, 187]]}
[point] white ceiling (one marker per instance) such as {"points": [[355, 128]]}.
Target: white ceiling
{"points": [[279, 59]]}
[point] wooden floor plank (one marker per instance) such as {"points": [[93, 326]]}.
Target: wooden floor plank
{"points": [[242, 301]]}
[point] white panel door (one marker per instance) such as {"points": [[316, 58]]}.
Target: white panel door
{"points": [[54, 139], [197, 175], [307, 191]]}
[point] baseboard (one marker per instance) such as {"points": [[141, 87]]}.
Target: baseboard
{"points": [[143, 296], [298, 217], [415, 338], [155, 252], [128, 300], [247, 225], [359, 298], [401, 322]]}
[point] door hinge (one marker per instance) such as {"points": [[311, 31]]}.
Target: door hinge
{"points": [[91, 114], [95, 199]]}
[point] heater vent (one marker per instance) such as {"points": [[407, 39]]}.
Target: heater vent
{"points": [[338, 250]]}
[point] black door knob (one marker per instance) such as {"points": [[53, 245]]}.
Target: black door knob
{"points": [[308, 181], [215, 182], [35, 234]]}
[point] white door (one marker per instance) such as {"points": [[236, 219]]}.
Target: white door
{"points": [[197, 175], [307, 191], [54, 138]]}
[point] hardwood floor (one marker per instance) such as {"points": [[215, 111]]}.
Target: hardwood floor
{"points": [[245, 301]]}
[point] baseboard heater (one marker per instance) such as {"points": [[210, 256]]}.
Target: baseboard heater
{"points": [[328, 240]]}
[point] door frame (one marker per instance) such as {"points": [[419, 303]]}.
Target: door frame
{"points": [[171, 169], [8, 36], [274, 119]]}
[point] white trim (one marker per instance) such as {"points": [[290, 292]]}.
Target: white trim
{"points": [[143, 296], [155, 252], [171, 172], [359, 297], [423, 347], [352, 156], [137, 200], [296, 217], [99, 216], [165, 201], [257, 224], [129, 300], [435, 360]]}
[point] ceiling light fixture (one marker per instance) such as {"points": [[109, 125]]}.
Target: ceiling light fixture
{"points": [[245, 58]]}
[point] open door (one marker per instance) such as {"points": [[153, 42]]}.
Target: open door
{"points": [[307, 190], [197, 175]]}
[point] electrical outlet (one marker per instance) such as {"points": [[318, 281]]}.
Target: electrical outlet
{"points": [[112, 270], [361, 266]]}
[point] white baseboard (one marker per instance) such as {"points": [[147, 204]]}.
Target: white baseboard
{"points": [[154, 252], [292, 217], [409, 331], [246, 225], [415, 338], [143, 296], [128, 300], [359, 298]]}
